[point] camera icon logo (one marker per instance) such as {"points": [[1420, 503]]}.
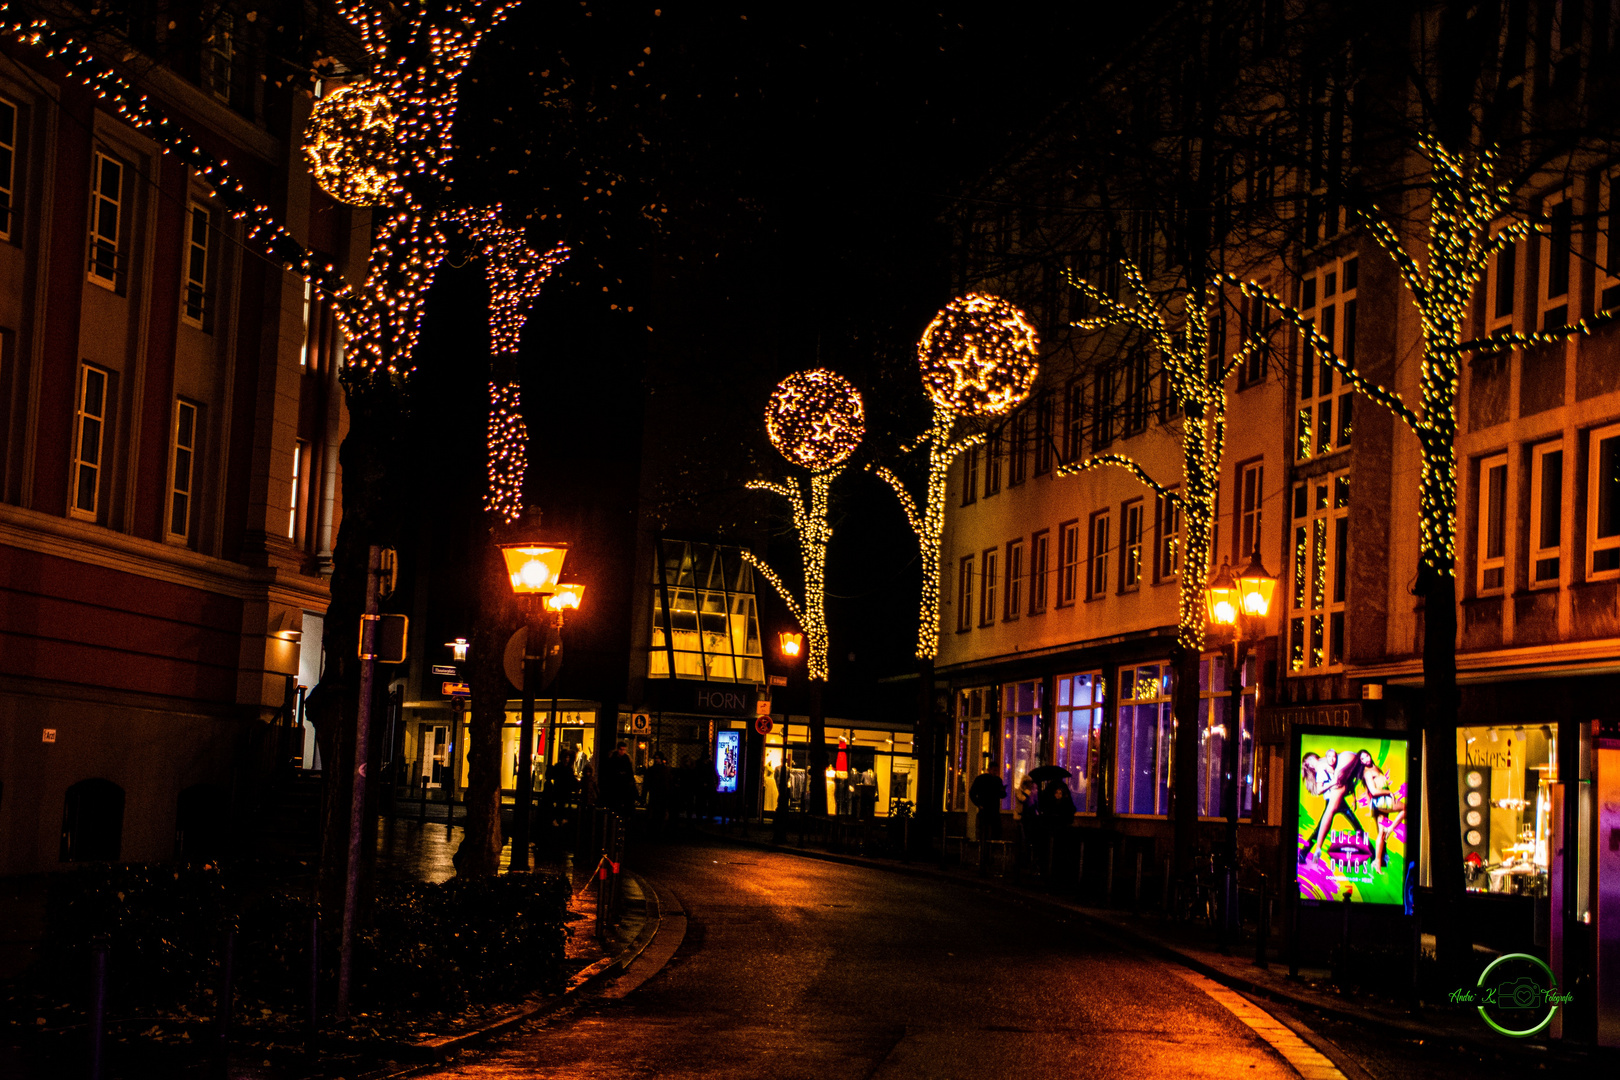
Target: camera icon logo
{"points": [[1520, 993]]}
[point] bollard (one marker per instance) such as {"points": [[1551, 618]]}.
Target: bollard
{"points": [[98, 1006], [227, 954], [1262, 934], [314, 1019], [1108, 881], [1136, 901]]}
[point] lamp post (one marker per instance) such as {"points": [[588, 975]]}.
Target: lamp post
{"points": [[791, 645], [533, 570], [1241, 603]]}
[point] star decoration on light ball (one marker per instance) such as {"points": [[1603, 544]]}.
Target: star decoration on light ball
{"points": [[816, 419], [351, 147], [979, 357]]}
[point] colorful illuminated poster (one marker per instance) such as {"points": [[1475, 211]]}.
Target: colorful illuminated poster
{"points": [[727, 756], [1352, 817]]}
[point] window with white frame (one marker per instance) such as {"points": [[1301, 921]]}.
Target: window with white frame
{"points": [[106, 209], [1074, 420], [1130, 548], [1603, 504], [1167, 547], [1321, 548], [987, 586], [1491, 523], [1502, 288], [1556, 251], [1068, 562], [1043, 433], [217, 55], [293, 503], [992, 463], [1078, 736], [1546, 513], [1325, 418], [1608, 241], [8, 166], [964, 593], [1039, 550], [970, 475], [1015, 579], [89, 438], [1100, 537], [183, 453], [1016, 461], [1214, 719], [1142, 739], [196, 295], [1251, 497]]}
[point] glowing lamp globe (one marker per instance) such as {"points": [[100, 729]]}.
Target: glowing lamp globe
{"points": [[1221, 596], [792, 643], [815, 419], [534, 568], [1255, 587], [566, 598], [350, 145], [979, 357]]}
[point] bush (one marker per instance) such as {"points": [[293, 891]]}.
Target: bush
{"points": [[427, 947]]}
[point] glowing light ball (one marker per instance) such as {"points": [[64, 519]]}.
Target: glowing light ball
{"points": [[979, 356], [815, 418], [350, 145]]}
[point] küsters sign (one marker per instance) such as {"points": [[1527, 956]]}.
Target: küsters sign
{"points": [[1274, 721]]}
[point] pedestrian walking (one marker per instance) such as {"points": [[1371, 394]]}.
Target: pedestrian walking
{"points": [[1057, 810], [1026, 824], [660, 790], [986, 794], [619, 783]]}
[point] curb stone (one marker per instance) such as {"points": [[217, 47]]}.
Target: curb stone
{"points": [[607, 969]]}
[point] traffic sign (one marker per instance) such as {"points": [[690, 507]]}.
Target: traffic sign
{"points": [[641, 723], [445, 669], [388, 639], [763, 725], [456, 689], [778, 680]]}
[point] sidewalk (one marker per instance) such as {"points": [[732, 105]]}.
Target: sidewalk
{"points": [[1194, 947]]}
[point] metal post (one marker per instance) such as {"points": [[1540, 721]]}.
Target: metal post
{"points": [[357, 799], [98, 1006], [455, 768], [533, 656], [1262, 936], [314, 1020], [1108, 882], [1231, 750]]}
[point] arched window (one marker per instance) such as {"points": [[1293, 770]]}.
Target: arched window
{"points": [[92, 821], [200, 823]]}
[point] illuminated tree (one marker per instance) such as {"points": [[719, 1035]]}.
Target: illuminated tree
{"points": [[1470, 220], [515, 273], [978, 359], [816, 420]]}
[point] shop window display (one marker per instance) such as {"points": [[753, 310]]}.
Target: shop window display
{"points": [[1214, 699], [868, 771], [1504, 776], [1079, 721], [1020, 735], [1142, 754]]}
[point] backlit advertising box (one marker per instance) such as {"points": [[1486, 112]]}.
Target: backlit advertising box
{"points": [[1351, 815], [727, 758]]}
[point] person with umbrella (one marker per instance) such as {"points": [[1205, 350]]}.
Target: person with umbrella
{"points": [[1057, 810], [986, 793]]}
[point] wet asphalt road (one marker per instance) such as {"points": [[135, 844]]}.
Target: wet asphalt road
{"points": [[794, 967]]}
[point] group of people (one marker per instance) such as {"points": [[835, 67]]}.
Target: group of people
{"points": [[1042, 815], [1333, 776]]}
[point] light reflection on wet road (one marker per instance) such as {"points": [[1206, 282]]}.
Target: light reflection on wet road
{"points": [[798, 968]]}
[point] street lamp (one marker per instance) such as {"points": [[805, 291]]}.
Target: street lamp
{"points": [[533, 570], [792, 644], [1242, 603]]}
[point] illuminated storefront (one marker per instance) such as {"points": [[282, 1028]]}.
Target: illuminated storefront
{"points": [[870, 770], [1505, 777]]}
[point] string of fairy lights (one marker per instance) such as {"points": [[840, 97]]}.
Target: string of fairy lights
{"points": [[138, 110], [1470, 221], [816, 420], [1184, 345], [978, 358], [515, 273]]}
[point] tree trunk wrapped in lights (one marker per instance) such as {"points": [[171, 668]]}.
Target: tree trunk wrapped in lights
{"points": [[515, 274], [979, 357], [1199, 389], [1465, 230], [816, 420]]}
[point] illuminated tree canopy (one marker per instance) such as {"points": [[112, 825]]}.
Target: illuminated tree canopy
{"points": [[815, 419], [979, 356], [350, 145]]}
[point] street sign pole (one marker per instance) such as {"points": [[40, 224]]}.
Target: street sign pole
{"points": [[357, 799]]}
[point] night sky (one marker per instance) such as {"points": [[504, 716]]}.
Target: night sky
{"points": [[748, 191]]}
